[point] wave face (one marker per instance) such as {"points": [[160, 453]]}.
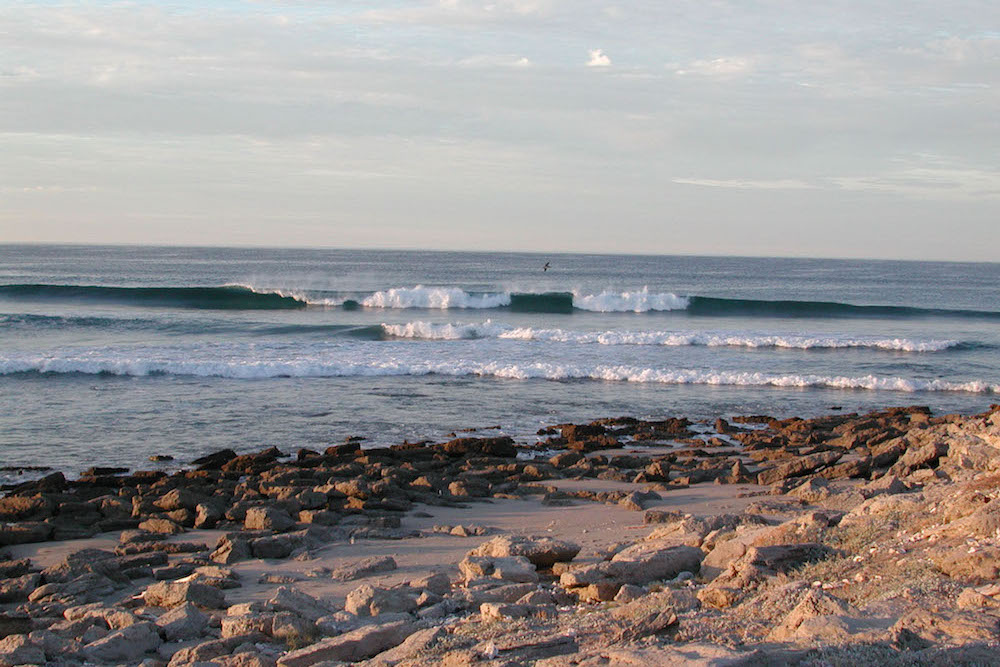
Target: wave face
{"points": [[228, 297], [247, 297], [711, 306], [313, 368], [489, 329]]}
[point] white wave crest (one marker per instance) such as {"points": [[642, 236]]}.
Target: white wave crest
{"points": [[489, 329], [641, 301], [433, 297], [311, 367]]}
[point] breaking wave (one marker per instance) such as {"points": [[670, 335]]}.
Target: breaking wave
{"points": [[248, 297], [489, 329], [312, 368]]}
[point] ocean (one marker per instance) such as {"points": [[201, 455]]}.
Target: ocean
{"points": [[109, 355]]}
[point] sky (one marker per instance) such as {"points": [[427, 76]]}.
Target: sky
{"points": [[722, 127]]}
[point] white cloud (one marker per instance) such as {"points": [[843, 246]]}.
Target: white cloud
{"points": [[598, 59], [722, 67]]}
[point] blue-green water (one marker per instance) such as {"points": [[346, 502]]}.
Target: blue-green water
{"points": [[111, 354]]}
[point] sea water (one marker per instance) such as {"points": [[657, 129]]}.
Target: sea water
{"points": [[109, 355]]}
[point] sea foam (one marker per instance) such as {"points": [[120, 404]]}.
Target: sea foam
{"points": [[311, 367], [490, 329]]}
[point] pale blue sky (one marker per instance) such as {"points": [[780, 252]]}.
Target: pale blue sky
{"points": [[849, 129]]}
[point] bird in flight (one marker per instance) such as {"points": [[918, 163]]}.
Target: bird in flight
{"points": [[546, 267]]}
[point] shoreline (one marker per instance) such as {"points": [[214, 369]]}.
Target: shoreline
{"points": [[614, 541]]}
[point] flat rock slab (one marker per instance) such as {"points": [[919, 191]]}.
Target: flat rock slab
{"points": [[352, 646]]}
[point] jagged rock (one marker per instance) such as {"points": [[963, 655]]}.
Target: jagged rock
{"points": [[207, 515], [517, 569], [367, 600], [24, 533], [183, 623], [14, 624], [231, 550], [352, 646], [798, 467], [164, 526], [980, 564], [306, 606], [814, 604], [947, 626], [639, 564], [542, 552], [125, 645], [247, 624], [438, 583], [20, 650], [18, 588], [268, 518], [176, 593]]}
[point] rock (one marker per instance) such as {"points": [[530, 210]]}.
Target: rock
{"points": [[978, 564], [306, 606], [179, 498], [367, 600], [14, 624], [16, 589], [798, 467], [19, 650], [815, 603], [175, 593], [231, 550], [268, 518], [542, 552], [183, 623], [125, 645], [887, 484], [214, 461], [352, 646], [950, 627], [494, 611], [276, 546], [164, 526], [24, 532], [247, 624], [517, 569], [207, 515], [438, 583], [639, 564], [417, 643], [364, 568]]}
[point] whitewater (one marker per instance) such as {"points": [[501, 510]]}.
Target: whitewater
{"points": [[114, 354]]}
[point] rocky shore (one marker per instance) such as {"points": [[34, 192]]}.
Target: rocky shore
{"points": [[845, 539]]}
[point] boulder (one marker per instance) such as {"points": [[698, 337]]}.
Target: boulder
{"points": [[542, 552], [798, 467], [639, 564], [301, 604], [19, 650], [183, 623], [127, 645], [268, 518], [516, 569], [353, 646], [368, 600], [364, 568], [176, 593]]}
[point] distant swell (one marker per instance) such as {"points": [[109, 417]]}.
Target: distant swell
{"points": [[229, 297], [258, 369], [490, 329], [710, 306], [246, 297]]}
